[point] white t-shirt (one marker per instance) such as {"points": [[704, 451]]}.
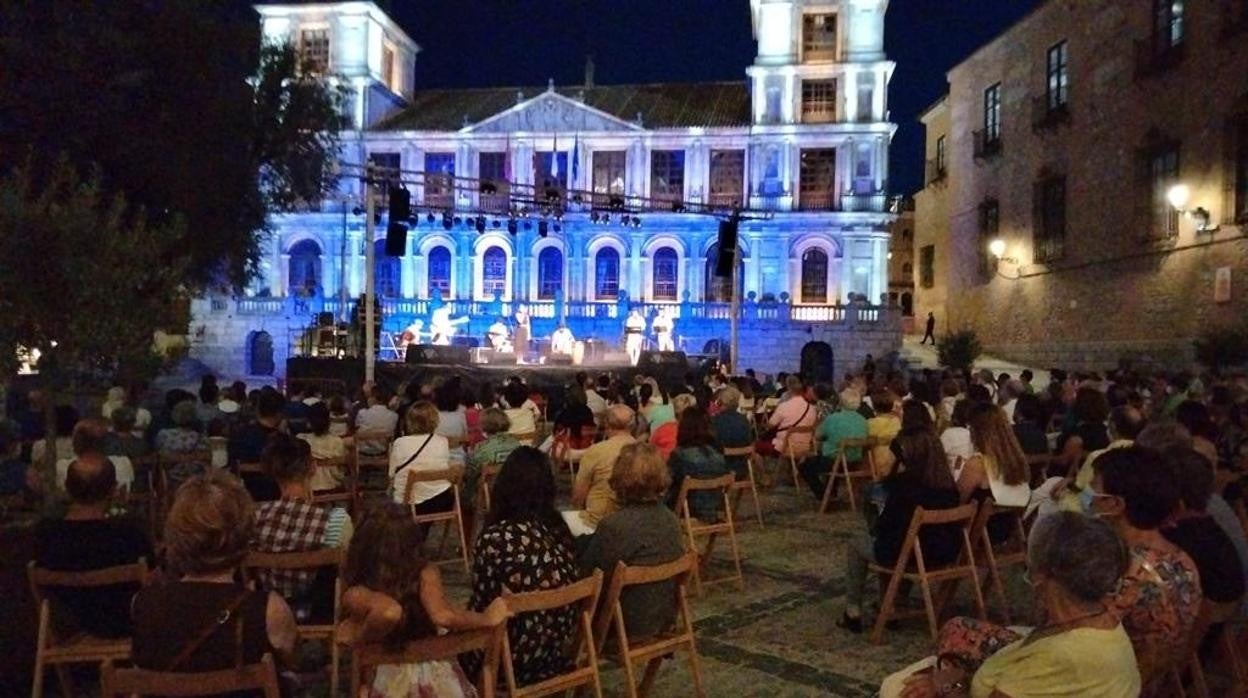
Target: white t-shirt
{"points": [[377, 418], [454, 425], [957, 444], [435, 456], [522, 421], [596, 403]]}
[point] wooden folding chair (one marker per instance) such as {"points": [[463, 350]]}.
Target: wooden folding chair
{"points": [[164, 491], [147, 470], [485, 483], [695, 528], [793, 453], [366, 658], [365, 463], [1216, 617], [582, 652], [455, 476], [912, 554], [749, 484], [1012, 551], [56, 649], [348, 493], [841, 470], [135, 682], [310, 560], [650, 650]]}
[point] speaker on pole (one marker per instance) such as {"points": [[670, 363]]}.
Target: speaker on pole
{"points": [[724, 260], [396, 239], [400, 203]]}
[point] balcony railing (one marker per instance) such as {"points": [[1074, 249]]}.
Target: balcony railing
{"points": [[819, 48], [818, 113], [934, 171], [987, 144], [726, 199], [439, 199], [1154, 56], [864, 203], [816, 201], [1045, 114]]}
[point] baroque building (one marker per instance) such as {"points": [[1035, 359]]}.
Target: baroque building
{"points": [[1103, 147], [801, 144]]}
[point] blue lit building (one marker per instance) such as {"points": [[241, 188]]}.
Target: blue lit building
{"points": [[804, 136]]}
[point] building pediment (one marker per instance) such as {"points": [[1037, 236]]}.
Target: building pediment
{"points": [[550, 112]]}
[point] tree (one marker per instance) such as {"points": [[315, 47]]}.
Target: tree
{"points": [[177, 106]]}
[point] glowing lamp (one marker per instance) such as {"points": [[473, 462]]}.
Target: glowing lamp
{"points": [[997, 248], [1178, 196]]}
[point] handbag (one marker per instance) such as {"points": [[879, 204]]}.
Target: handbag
{"points": [[773, 432]]}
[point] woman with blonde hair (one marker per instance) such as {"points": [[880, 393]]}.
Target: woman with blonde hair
{"points": [[998, 466], [421, 449]]}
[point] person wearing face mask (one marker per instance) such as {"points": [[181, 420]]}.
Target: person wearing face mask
{"points": [[1080, 649]]}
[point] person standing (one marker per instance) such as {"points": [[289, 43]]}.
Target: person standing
{"points": [[634, 333], [522, 333], [930, 332], [663, 325]]}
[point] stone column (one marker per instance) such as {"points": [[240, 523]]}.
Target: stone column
{"points": [[851, 94], [407, 274], [355, 263], [466, 279], [283, 276]]}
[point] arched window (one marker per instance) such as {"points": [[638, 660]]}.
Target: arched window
{"points": [[494, 272], [907, 304], [305, 268], [549, 272], [440, 271], [386, 272], [665, 274], [719, 289], [607, 274], [815, 276], [260, 354]]}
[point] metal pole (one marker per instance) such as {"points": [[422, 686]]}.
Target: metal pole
{"points": [[370, 253], [342, 271], [734, 312]]}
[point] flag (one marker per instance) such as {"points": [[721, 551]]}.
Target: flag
{"points": [[554, 159], [576, 159], [507, 160]]}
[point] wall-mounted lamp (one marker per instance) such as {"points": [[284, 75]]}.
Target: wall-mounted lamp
{"points": [[997, 248], [1179, 196]]}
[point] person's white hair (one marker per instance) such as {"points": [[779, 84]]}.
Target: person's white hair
{"points": [[850, 399]]}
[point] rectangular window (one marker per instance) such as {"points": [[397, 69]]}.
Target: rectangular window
{"points": [[992, 114], [727, 177], [314, 49], [1168, 27], [440, 179], [1050, 220], [1241, 170], [550, 170], [817, 179], [387, 66], [1163, 173], [818, 101], [608, 175], [493, 187], [927, 266], [819, 37], [386, 166], [989, 225], [667, 175], [941, 156], [1058, 76]]}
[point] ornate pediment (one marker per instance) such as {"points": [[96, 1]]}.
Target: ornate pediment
{"points": [[551, 112]]}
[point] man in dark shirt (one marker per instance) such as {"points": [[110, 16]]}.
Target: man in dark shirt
{"points": [[732, 429], [247, 443], [1197, 534], [87, 540]]}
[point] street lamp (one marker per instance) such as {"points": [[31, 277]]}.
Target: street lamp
{"points": [[1178, 196], [997, 248]]}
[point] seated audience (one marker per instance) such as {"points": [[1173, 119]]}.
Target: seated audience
{"points": [[956, 438], [122, 439], [641, 532], [576, 419], [791, 412], [1082, 649], [592, 495], [88, 539], [1195, 416], [324, 446], [376, 418], [998, 466], [497, 446], [248, 441], [207, 536], [883, 428], [1089, 432], [521, 417], [526, 546], [663, 435], [926, 482], [295, 524], [393, 596], [182, 438], [421, 449], [64, 418], [339, 417], [1196, 533], [452, 419], [732, 429], [1029, 425], [696, 457], [843, 423], [91, 436]]}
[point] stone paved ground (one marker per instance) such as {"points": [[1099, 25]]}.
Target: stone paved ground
{"points": [[778, 637]]}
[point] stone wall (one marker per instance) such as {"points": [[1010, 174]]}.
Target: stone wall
{"points": [[773, 347]]}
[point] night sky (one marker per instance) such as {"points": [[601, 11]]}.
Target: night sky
{"points": [[492, 43]]}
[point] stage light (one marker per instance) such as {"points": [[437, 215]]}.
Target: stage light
{"points": [[577, 199], [511, 226], [446, 221], [429, 217], [497, 224], [528, 225], [542, 228], [593, 217], [616, 202], [459, 221], [636, 222], [357, 211], [678, 207], [480, 224], [623, 221], [606, 219], [558, 227]]}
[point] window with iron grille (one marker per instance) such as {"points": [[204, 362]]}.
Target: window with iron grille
{"points": [[549, 273], [439, 175], [607, 274], [386, 166], [1049, 232], [815, 276], [941, 155], [817, 179], [386, 272], [440, 271], [992, 113], [494, 271], [666, 276], [667, 175], [1163, 172], [989, 225], [818, 101], [1058, 77], [819, 36], [727, 177], [387, 66], [492, 167], [1168, 25], [314, 49], [927, 266]]}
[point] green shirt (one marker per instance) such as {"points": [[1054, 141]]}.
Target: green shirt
{"points": [[840, 425]]}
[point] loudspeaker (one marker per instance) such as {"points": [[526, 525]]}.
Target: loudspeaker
{"points": [[724, 261], [396, 239], [668, 367], [400, 203], [436, 354], [559, 360]]}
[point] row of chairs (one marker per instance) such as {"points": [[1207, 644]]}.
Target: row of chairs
{"points": [[601, 632]]}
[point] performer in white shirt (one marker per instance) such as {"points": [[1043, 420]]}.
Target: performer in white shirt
{"points": [[523, 332], [662, 326], [412, 334], [634, 334], [442, 327], [562, 341], [497, 335]]}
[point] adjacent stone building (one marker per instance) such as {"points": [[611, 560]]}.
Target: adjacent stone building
{"points": [[1070, 138]]}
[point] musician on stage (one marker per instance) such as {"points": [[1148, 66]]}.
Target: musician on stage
{"points": [[442, 327], [662, 326], [412, 334], [634, 334], [562, 341], [497, 334], [523, 332]]}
